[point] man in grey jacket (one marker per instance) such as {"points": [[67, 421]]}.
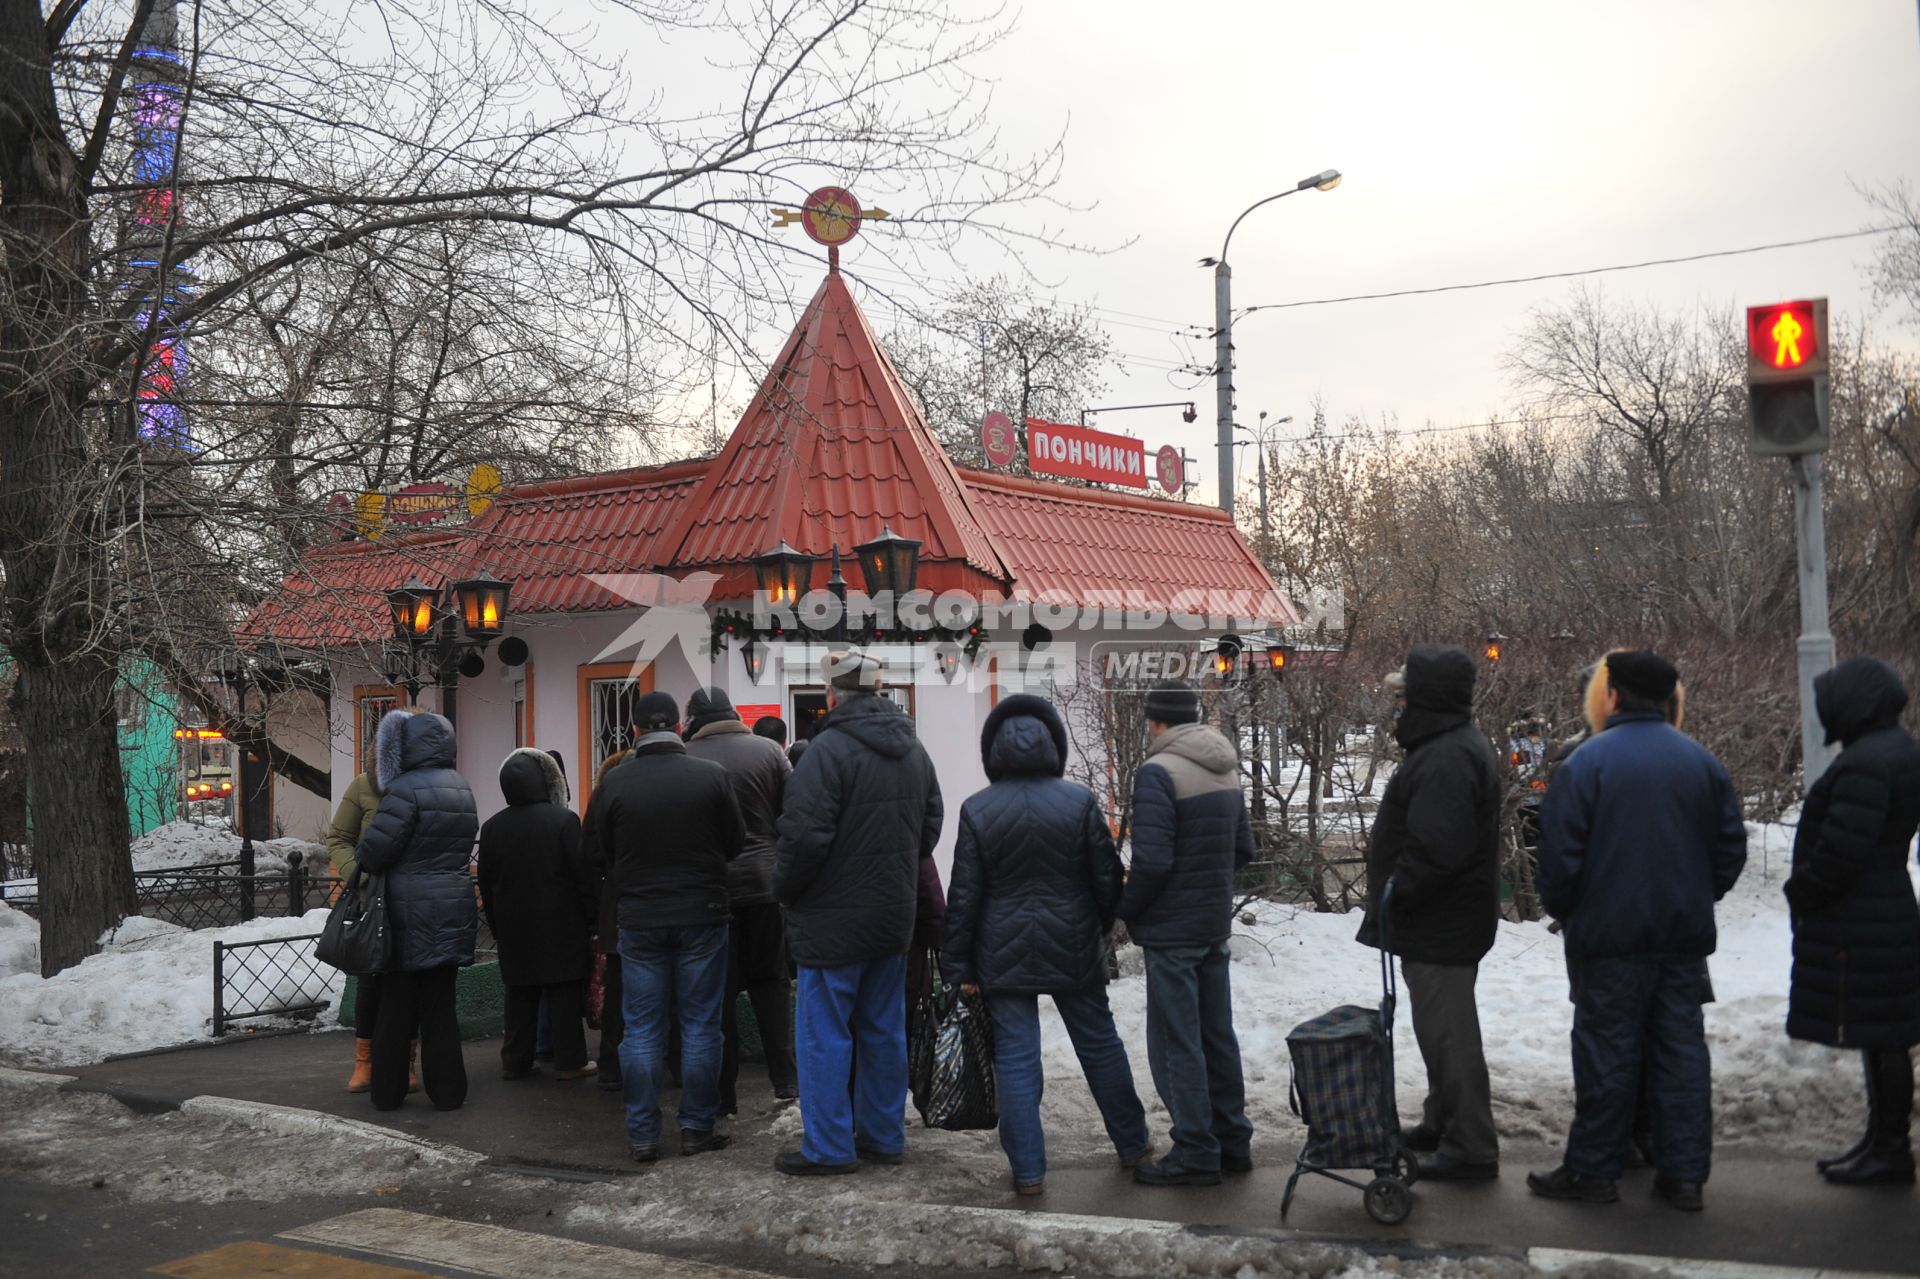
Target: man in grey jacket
{"points": [[1190, 833], [757, 955]]}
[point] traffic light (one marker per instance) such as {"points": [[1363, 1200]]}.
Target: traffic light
{"points": [[1787, 413]]}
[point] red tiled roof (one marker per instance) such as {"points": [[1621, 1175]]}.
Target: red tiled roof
{"points": [[1079, 544], [833, 449]]}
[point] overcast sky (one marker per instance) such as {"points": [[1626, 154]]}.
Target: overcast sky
{"points": [[1479, 140]]}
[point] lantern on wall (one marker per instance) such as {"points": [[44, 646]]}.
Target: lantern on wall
{"points": [[889, 562], [416, 610], [783, 575], [482, 601]]}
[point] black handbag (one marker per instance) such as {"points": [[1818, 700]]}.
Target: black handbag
{"points": [[356, 939], [950, 1061]]}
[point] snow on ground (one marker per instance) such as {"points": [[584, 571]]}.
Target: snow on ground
{"points": [[1292, 964], [178, 845], [151, 987]]}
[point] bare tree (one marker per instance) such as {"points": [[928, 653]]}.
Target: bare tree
{"points": [[473, 158]]}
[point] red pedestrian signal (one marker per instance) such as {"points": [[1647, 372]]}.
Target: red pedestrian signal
{"points": [[1787, 378], [1787, 338]]}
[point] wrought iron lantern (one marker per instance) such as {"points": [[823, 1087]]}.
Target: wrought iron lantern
{"points": [[482, 601], [416, 610], [783, 575], [889, 562]]}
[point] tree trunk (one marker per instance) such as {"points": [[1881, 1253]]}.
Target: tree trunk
{"points": [[78, 807]]}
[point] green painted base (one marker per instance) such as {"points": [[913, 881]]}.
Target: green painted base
{"points": [[478, 998]]}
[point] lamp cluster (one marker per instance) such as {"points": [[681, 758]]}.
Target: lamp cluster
{"points": [[425, 647], [1272, 656]]}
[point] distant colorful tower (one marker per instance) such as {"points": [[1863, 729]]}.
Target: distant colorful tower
{"points": [[156, 86]]}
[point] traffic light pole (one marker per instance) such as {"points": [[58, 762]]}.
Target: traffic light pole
{"points": [[1816, 642]]}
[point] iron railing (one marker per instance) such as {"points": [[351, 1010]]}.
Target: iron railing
{"points": [[273, 977], [219, 894]]}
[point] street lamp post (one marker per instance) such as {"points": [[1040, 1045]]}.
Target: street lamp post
{"points": [[1259, 435], [1223, 331]]}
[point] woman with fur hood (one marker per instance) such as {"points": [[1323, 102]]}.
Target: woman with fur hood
{"points": [[539, 897], [420, 840]]}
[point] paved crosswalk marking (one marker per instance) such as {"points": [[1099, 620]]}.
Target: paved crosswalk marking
{"points": [[495, 1251], [255, 1260]]}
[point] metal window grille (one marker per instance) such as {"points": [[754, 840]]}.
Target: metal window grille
{"points": [[279, 976], [612, 703]]}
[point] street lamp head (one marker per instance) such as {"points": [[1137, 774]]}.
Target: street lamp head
{"points": [[1209, 261], [1325, 181]]}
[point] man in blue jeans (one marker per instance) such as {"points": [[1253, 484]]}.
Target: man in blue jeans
{"points": [[1190, 833], [862, 811], [1035, 883], [669, 825]]}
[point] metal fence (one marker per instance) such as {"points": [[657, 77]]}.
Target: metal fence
{"points": [[218, 894], [277, 976]]}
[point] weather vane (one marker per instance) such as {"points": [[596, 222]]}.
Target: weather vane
{"points": [[831, 216]]}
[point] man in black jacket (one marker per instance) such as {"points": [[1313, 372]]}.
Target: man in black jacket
{"points": [[1436, 841], [756, 951], [669, 825], [1190, 833], [862, 810]]}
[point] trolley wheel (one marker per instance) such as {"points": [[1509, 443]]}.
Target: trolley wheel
{"points": [[1388, 1201], [1407, 1168]]}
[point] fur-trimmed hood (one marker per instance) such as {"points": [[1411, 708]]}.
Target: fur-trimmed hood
{"points": [[408, 740], [530, 775]]}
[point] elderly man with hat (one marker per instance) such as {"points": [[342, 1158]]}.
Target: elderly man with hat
{"points": [[1642, 835], [862, 812], [1436, 841], [668, 825]]}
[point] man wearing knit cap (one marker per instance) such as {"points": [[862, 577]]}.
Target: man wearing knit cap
{"points": [[862, 812], [1190, 833], [1436, 842], [757, 951], [1642, 835], [669, 825]]}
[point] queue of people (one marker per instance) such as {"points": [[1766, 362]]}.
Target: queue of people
{"points": [[708, 865]]}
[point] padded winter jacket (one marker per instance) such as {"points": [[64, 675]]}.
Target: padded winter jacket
{"points": [[862, 809], [350, 822], [1641, 835], [1436, 837], [758, 769], [1856, 928], [668, 825], [422, 839], [1035, 878], [537, 891], [1190, 833]]}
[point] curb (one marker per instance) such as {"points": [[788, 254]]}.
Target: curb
{"points": [[292, 1121], [23, 1080]]}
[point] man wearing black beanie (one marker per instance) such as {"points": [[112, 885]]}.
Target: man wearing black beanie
{"points": [[1190, 833], [1641, 835]]}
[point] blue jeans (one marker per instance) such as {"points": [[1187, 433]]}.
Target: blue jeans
{"points": [[659, 967], [859, 1008], [1019, 1077], [1626, 1011], [1194, 1056]]}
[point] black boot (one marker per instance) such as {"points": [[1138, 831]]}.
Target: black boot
{"points": [[1888, 1158], [1866, 1138]]}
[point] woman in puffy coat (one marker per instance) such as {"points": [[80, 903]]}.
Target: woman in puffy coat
{"points": [[541, 900], [421, 840], [1034, 887], [1856, 927]]}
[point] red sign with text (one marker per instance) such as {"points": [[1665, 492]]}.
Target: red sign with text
{"points": [[1083, 454], [753, 714]]}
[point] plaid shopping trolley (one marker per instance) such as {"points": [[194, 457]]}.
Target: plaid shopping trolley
{"points": [[1343, 1088]]}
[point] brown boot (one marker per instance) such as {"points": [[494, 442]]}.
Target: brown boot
{"points": [[362, 1079], [413, 1076]]}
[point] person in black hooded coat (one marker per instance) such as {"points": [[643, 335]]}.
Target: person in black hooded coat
{"points": [[420, 840], [540, 900], [1437, 842], [1036, 881], [1856, 927]]}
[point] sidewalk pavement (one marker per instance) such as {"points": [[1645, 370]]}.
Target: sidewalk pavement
{"points": [[1762, 1208]]}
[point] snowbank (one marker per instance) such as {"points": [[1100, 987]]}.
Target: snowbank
{"points": [[151, 987], [1291, 964], [178, 844]]}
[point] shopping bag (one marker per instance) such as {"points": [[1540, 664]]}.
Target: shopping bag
{"points": [[356, 939], [597, 992], [954, 1047]]}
